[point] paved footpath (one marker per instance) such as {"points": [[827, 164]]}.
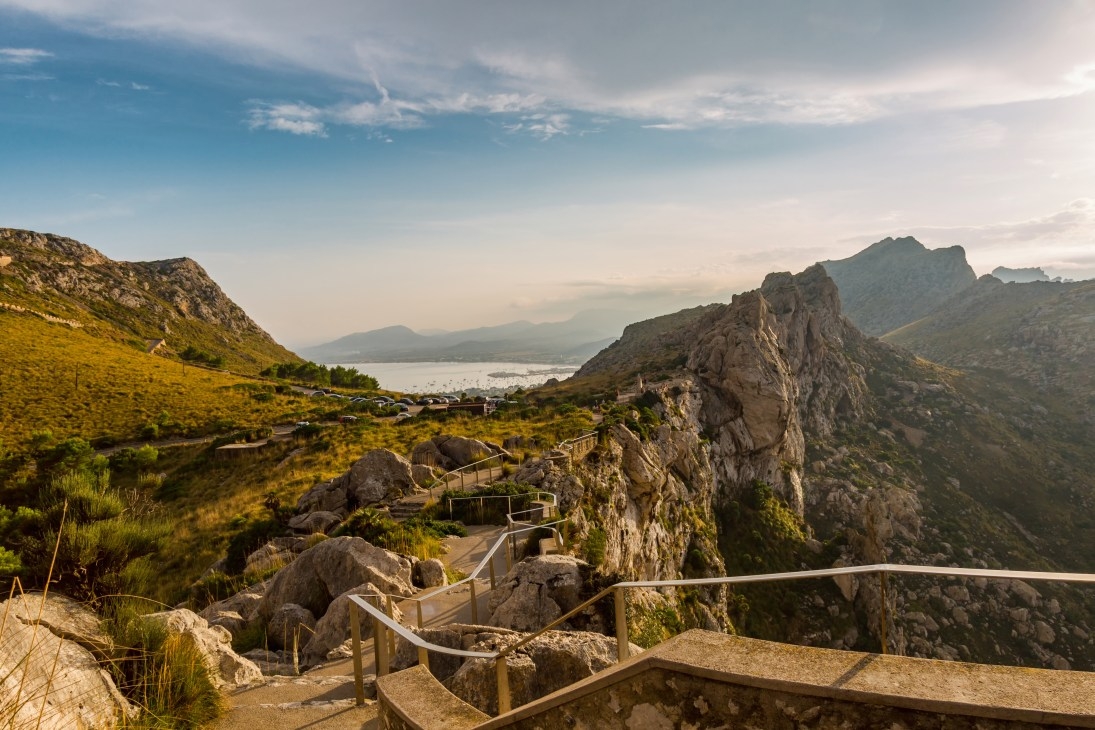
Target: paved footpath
{"points": [[323, 698]]}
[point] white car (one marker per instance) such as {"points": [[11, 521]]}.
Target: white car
{"points": [[403, 415]]}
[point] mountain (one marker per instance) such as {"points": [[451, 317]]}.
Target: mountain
{"points": [[173, 300], [775, 436], [897, 281], [1041, 332], [570, 341], [1023, 276]]}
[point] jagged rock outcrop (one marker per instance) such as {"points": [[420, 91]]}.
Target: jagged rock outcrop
{"points": [[49, 678], [448, 452]]}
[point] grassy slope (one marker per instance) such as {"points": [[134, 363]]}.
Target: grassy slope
{"points": [[202, 496], [121, 388]]}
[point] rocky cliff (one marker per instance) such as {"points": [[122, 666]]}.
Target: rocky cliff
{"points": [[787, 439], [897, 281], [173, 300]]}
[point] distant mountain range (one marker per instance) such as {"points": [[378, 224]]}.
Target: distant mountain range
{"points": [[572, 341]]}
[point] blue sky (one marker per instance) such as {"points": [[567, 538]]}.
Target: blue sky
{"points": [[353, 164]]}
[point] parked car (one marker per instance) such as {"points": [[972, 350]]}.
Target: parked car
{"points": [[403, 407], [347, 419], [403, 415], [406, 401], [425, 401], [318, 393]]}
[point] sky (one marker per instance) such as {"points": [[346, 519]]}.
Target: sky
{"points": [[344, 165]]}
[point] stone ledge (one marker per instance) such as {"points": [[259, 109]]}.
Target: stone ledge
{"points": [[1008, 694], [414, 700]]}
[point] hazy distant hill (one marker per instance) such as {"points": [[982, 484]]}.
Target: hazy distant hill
{"points": [[570, 341], [173, 300], [897, 281], [1042, 332], [1022, 276]]}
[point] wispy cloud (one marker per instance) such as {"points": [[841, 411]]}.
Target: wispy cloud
{"points": [[23, 56], [132, 85], [301, 119]]}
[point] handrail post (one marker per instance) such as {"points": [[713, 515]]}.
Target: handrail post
{"points": [[391, 634], [620, 599], [882, 603], [474, 603], [419, 605], [380, 643], [491, 564], [502, 672], [355, 642], [424, 657]]}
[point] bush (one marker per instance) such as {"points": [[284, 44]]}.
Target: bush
{"points": [[102, 548]]}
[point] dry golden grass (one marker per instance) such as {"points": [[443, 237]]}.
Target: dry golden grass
{"points": [[76, 384]]}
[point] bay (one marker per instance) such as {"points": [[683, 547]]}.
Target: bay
{"points": [[460, 377]]}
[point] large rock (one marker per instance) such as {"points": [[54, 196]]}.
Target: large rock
{"points": [[536, 592], [423, 475], [378, 477], [244, 604], [324, 497], [452, 636], [214, 643], [548, 663], [310, 523], [333, 628], [463, 450], [290, 627], [427, 454], [66, 619], [267, 558], [48, 682], [331, 568], [431, 573]]}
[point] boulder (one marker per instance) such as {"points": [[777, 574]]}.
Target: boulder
{"points": [[244, 604], [274, 663], [515, 442], [51, 682], [268, 557], [536, 592], [230, 621], [378, 477], [324, 497], [427, 454], [550, 662], [422, 474], [310, 523], [430, 573], [66, 619], [462, 451], [290, 627], [452, 636], [214, 643], [333, 629], [330, 569]]}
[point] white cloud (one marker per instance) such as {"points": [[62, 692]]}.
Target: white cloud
{"points": [[23, 56], [301, 119]]}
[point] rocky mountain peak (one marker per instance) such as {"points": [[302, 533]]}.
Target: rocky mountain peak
{"points": [[67, 248]]}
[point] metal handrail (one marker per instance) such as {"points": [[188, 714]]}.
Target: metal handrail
{"points": [[459, 470], [619, 591], [566, 444]]}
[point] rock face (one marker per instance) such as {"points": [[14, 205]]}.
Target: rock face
{"points": [[48, 677], [229, 669], [897, 281], [332, 631], [537, 591], [430, 573]]}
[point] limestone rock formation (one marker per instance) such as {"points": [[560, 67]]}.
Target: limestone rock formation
{"points": [[537, 591], [379, 477], [229, 669], [48, 679], [430, 573], [333, 628]]}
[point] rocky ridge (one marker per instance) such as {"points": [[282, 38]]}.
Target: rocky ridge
{"points": [[174, 299]]}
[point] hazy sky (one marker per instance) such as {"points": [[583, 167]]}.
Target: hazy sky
{"points": [[339, 166]]}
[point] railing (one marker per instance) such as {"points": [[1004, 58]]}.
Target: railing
{"points": [[578, 446], [619, 593], [383, 618], [461, 471], [507, 497]]}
